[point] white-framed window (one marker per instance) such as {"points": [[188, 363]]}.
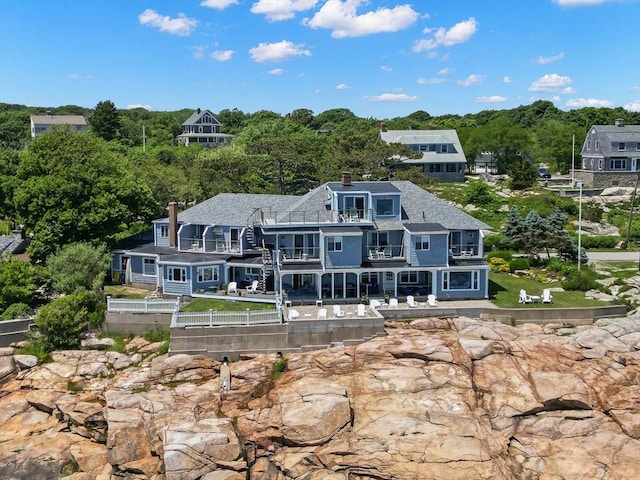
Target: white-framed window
{"points": [[469, 280], [149, 267], [422, 242], [597, 144], [334, 244], [588, 144], [208, 274], [444, 148], [618, 164], [622, 146], [164, 231], [177, 274], [638, 147]]}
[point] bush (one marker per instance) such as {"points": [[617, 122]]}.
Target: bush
{"points": [[16, 310], [478, 193], [599, 241], [518, 264], [278, 368], [580, 280], [498, 264], [497, 242], [506, 255]]}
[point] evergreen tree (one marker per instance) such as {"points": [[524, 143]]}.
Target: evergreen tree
{"points": [[105, 121]]}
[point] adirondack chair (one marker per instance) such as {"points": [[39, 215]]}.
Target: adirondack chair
{"points": [[411, 301], [361, 312], [432, 301], [546, 296], [337, 311], [524, 298]]}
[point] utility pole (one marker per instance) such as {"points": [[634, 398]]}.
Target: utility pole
{"points": [[573, 162], [144, 140], [580, 228]]}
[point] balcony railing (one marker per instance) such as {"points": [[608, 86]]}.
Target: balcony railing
{"points": [[313, 217], [299, 253], [219, 245], [384, 252], [464, 251]]}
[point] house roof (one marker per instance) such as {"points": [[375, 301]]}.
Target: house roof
{"points": [[427, 137], [196, 116], [58, 120], [418, 207], [233, 208], [610, 134]]}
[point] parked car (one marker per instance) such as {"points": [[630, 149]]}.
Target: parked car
{"points": [[543, 173]]}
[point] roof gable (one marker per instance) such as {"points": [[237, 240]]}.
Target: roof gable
{"points": [[196, 118]]}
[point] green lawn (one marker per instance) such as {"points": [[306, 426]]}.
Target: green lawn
{"points": [[206, 304], [504, 291]]}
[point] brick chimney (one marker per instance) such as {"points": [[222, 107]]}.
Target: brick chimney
{"points": [[346, 179], [173, 224]]}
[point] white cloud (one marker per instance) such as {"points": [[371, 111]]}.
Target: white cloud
{"points": [[75, 76], [635, 88], [445, 71], [222, 55], [540, 60], [491, 99], [276, 71], [578, 3], [180, 26], [342, 86], [459, 33], [343, 19], [431, 81], [392, 97], [633, 106], [138, 105], [198, 51], [569, 91], [587, 102], [551, 82], [277, 10], [384, 68], [218, 4], [471, 80], [506, 80], [277, 52]]}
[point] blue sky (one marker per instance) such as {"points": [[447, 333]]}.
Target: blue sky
{"points": [[378, 58]]}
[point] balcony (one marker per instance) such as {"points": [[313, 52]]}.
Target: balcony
{"points": [[299, 254], [385, 252], [219, 245], [269, 217], [470, 250]]}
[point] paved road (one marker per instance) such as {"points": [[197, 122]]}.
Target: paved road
{"points": [[618, 256]]}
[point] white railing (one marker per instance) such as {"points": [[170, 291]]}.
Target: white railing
{"points": [[215, 319], [142, 305]]}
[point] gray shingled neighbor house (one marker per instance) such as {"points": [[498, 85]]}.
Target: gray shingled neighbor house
{"points": [[43, 123], [202, 128], [442, 154], [342, 240], [610, 156]]}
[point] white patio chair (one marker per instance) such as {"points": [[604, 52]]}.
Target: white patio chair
{"points": [[411, 301], [524, 298], [337, 311], [546, 296], [322, 314], [393, 303], [432, 301], [361, 311], [294, 315], [373, 304], [232, 287], [253, 288]]}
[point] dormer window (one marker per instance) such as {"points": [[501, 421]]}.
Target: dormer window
{"points": [[597, 144], [622, 146]]}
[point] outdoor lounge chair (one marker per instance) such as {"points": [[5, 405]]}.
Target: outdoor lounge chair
{"points": [[546, 296], [432, 301], [361, 312], [233, 287], [524, 298], [322, 314], [253, 288], [373, 304], [337, 311], [393, 303], [294, 315], [411, 301]]}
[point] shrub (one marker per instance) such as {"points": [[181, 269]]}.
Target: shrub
{"points": [[498, 264], [518, 264], [16, 310], [580, 280], [506, 255], [599, 241], [495, 243], [478, 193], [278, 368]]}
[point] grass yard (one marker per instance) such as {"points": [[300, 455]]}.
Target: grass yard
{"points": [[504, 291], [122, 291], [206, 304]]}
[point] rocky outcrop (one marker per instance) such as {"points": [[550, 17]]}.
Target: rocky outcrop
{"points": [[448, 398]]}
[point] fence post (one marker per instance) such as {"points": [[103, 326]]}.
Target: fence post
{"points": [[248, 317], [146, 305], [211, 317], [108, 303]]}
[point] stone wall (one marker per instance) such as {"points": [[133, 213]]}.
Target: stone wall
{"points": [[593, 179], [137, 323]]}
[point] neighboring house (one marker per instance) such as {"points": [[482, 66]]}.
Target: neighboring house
{"points": [[610, 156], [341, 240], [43, 123], [202, 128], [485, 162], [442, 154]]}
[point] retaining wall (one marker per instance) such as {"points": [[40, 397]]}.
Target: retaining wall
{"points": [[12, 331], [136, 323]]}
